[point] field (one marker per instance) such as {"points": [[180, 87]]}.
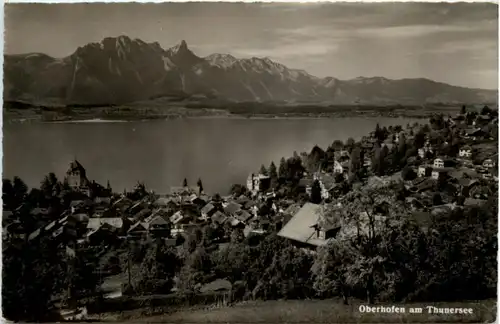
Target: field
{"points": [[169, 108], [310, 311]]}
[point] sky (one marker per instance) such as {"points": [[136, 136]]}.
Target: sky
{"points": [[451, 43]]}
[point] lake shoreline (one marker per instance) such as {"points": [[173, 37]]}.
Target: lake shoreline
{"points": [[37, 118]]}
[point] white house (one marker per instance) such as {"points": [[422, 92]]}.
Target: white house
{"points": [[338, 168], [423, 151], [422, 171], [438, 163], [465, 152], [439, 173], [257, 183], [367, 162], [488, 163]]}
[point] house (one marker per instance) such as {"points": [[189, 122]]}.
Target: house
{"points": [[158, 226], [425, 185], [207, 211], [424, 171], [367, 162], [184, 191], [439, 173], [488, 163], [139, 229], [464, 185], [197, 200], [243, 200], [465, 152], [258, 183], [306, 229], [177, 217], [232, 208], [338, 168], [104, 233], [102, 200], [474, 134], [243, 216], [481, 120], [472, 202], [249, 232], [423, 151], [235, 222], [219, 218], [76, 177], [115, 223], [438, 163], [479, 192], [168, 202]]}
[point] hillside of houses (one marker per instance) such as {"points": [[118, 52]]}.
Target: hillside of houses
{"points": [[283, 223]]}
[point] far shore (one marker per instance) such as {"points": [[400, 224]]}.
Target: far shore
{"points": [[96, 120]]}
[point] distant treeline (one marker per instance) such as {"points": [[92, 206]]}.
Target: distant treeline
{"points": [[243, 108], [272, 108]]}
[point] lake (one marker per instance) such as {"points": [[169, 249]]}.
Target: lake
{"points": [[220, 151]]}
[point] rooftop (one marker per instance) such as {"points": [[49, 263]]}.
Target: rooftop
{"points": [[300, 227]]}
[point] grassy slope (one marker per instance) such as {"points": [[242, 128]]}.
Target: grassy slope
{"points": [[311, 311]]}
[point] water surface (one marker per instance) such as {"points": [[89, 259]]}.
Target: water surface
{"points": [[162, 153]]}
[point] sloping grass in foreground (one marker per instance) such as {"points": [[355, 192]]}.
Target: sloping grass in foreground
{"points": [[327, 311]]}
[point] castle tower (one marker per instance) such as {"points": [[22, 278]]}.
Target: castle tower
{"points": [[76, 175]]}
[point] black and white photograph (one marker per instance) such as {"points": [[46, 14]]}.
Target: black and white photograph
{"points": [[250, 162]]}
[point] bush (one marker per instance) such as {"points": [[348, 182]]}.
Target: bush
{"points": [[408, 174]]}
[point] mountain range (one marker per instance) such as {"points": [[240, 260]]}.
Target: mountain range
{"points": [[121, 70]]}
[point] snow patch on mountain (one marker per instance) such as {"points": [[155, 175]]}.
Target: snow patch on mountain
{"points": [[221, 60], [198, 71], [168, 65], [179, 48]]}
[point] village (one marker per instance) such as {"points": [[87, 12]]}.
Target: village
{"points": [[447, 165]]}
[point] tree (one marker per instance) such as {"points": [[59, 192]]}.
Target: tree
{"points": [[33, 273], [158, 269], [355, 161], [408, 174], [14, 193], [237, 235], [283, 168], [232, 261], [200, 185], [316, 192], [436, 199], [185, 183], [338, 145], [463, 110], [238, 190], [195, 270], [379, 160], [486, 111], [273, 174], [50, 186], [263, 170], [83, 279], [339, 178], [316, 159], [350, 143], [358, 262]]}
